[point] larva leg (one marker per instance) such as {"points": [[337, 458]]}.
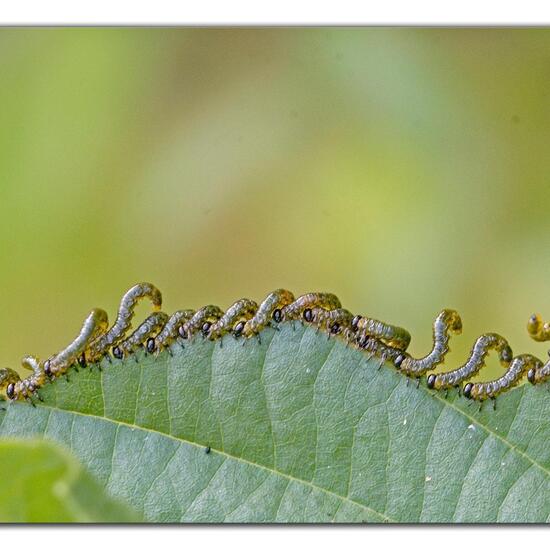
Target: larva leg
{"points": [[101, 345], [95, 324], [446, 323]]}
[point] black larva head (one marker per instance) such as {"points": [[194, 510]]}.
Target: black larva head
{"points": [[398, 360], [308, 315], [335, 328], [531, 376], [355, 322], [468, 390], [10, 391], [151, 346], [117, 352], [277, 315], [206, 328], [238, 329], [431, 381], [182, 332]]}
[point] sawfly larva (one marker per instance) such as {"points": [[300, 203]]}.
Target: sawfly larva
{"points": [[234, 319], [149, 328], [333, 321], [100, 346], [520, 365], [482, 346], [270, 309], [446, 323], [200, 322], [299, 308], [538, 330], [393, 336], [94, 325], [170, 332]]}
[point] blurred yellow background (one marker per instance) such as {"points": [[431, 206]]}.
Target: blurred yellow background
{"points": [[405, 170]]}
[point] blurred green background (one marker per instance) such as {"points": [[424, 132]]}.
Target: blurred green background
{"points": [[406, 170]]}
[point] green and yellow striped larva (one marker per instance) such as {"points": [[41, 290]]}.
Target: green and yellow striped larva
{"points": [[234, 319], [334, 321], [270, 309], [520, 365], [200, 322], [101, 346], [302, 306], [168, 335], [393, 336], [95, 324], [537, 329], [482, 346], [148, 329], [446, 323]]}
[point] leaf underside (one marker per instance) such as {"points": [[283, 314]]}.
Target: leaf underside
{"points": [[42, 482], [297, 428]]}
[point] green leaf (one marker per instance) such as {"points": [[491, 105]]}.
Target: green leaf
{"points": [[42, 482], [299, 428]]}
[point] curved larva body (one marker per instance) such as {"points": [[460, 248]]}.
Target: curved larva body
{"points": [[538, 330], [241, 310], [270, 308], [446, 323], [28, 386], [170, 331], [483, 345], [95, 324], [393, 336], [148, 329], [123, 323], [333, 321], [296, 309], [201, 321], [539, 374], [518, 368]]}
